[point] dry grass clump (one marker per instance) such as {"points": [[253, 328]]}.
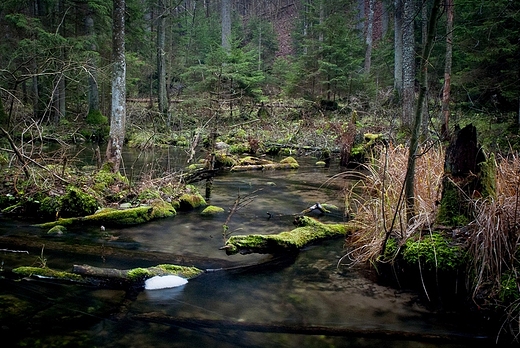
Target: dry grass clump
{"points": [[377, 200], [494, 234]]}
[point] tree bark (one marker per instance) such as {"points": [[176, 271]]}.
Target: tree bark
{"points": [[408, 63], [161, 61], [118, 115], [398, 48], [446, 90], [414, 140], [369, 35], [93, 92], [226, 25]]}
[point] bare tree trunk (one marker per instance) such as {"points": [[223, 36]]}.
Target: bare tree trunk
{"points": [[398, 48], [408, 63], [369, 35], [118, 115], [424, 38], [161, 61], [447, 69], [226, 25], [93, 92], [414, 141]]}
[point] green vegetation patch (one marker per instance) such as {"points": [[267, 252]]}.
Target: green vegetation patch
{"points": [[309, 230], [47, 273], [434, 251], [77, 203], [212, 210], [116, 217]]}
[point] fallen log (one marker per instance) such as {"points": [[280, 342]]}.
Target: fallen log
{"points": [[253, 163], [109, 277], [309, 230], [199, 323], [137, 274]]}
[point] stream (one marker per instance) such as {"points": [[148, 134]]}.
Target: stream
{"points": [[273, 303]]}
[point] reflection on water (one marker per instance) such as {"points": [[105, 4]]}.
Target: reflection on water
{"points": [[302, 292]]}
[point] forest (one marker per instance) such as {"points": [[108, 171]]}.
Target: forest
{"points": [[418, 100]]}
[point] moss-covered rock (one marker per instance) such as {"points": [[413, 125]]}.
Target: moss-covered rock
{"points": [[57, 230], [320, 164], [212, 210], [191, 199]]}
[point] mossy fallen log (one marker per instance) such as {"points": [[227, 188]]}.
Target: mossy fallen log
{"points": [[85, 274], [309, 230], [253, 163], [137, 274], [118, 217]]}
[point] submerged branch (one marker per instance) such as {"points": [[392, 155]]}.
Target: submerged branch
{"points": [[199, 323]]}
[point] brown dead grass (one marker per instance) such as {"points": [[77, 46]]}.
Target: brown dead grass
{"points": [[377, 203]]}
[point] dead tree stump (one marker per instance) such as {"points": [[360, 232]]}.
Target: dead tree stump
{"points": [[466, 176]]}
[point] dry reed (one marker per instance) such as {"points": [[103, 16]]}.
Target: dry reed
{"points": [[494, 234], [377, 199]]}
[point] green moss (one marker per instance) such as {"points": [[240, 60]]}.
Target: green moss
{"points": [[77, 203], [162, 209], [434, 252], [117, 218], [182, 271], [212, 210], [138, 274], [47, 272], [105, 178], [290, 160], [451, 213], [96, 118], [239, 148], [224, 160], [309, 230], [49, 207], [286, 151], [488, 173], [57, 230], [191, 199]]}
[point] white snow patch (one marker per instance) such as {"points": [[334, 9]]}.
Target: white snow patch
{"points": [[164, 282]]}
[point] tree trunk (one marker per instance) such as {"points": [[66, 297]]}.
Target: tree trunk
{"points": [[408, 63], [447, 70], [93, 92], [398, 49], [161, 61], [369, 35], [118, 114], [464, 177], [414, 141], [226, 25]]}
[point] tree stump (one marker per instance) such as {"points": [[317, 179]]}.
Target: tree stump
{"points": [[467, 175]]}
